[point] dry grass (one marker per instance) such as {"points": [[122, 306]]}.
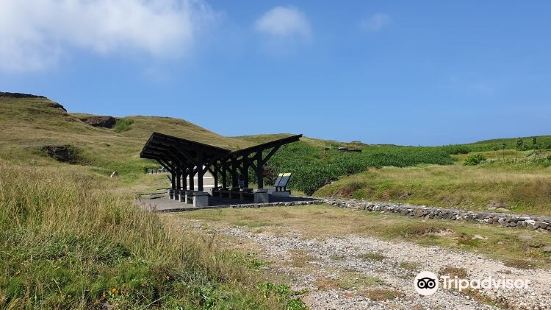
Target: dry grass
{"points": [[357, 281], [409, 266], [373, 256], [477, 295], [454, 272], [68, 240], [300, 258], [520, 263], [381, 294]]}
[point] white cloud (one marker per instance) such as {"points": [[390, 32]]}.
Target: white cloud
{"points": [[35, 34], [375, 22], [282, 22]]}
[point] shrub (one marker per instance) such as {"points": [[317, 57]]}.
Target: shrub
{"points": [[314, 167], [123, 124], [474, 160], [456, 149]]}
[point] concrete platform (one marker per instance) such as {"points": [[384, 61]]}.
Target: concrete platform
{"points": [[168, 205]]}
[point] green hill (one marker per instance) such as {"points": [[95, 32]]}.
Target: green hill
{"points": [[29, 124]]}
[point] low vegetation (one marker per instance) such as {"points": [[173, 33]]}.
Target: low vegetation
{"points": [[510, 175], [123, 124], [380, 294], [474, 160], [314, 167], [518, 183], [69, 240]]}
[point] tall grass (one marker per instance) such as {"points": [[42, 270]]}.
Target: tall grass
{"points": [[67, 241]]}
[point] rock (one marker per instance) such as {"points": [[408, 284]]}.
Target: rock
{"points": [[504, 219], [56, 105], [100, 121], [19, 95], [62, 153], [546, 249]]}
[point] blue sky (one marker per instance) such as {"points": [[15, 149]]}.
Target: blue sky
{"points": [[404, 72]]}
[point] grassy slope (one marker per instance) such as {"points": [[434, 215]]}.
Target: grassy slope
{"points": [[65, 247], [520, 181], [28, 124]]}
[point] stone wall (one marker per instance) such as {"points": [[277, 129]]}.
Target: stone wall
{"points": [[503, 219], [276, 204]]}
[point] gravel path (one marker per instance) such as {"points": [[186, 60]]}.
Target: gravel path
{"points": [[390, 267]]}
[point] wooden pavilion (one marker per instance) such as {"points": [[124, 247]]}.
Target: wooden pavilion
{"points": [[184, 159]]}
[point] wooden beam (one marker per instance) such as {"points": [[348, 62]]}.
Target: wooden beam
{"points": [[270, 154]]}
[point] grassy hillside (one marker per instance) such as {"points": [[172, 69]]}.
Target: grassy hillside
{"points": [[506, 180], [28, 124], [512, 175], [71, 237]]}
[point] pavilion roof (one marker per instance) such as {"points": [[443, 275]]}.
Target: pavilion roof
{"points": [[185, 152]]}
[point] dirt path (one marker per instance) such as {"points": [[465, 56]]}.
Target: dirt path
{"points": [[360, 272]]}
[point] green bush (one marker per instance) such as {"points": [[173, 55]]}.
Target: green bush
{"points": [[123, 124], [456, 149], [474, 160], [313, 167]]}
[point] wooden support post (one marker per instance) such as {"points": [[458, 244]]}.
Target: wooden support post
{"points": [[234, 177], [191, 182], [178, 176], [200, 174], [172, 180], [245, 172], [224, 175], [259, 169], [215, 175], [184, 180]]}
